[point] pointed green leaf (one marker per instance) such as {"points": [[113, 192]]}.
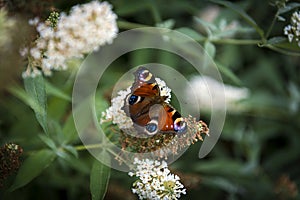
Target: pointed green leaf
{"points": [[99, 178], [191, 33], [209, 27], [22, 95], [166, 24], [227, 72], [75, 163], [210, 49], [288, 7], [276, 40], [53, 90], [48, 141], [242, 13], [220, 182], [223, 167], [35, 88], [69, 131], [281, 44], [71, 149], [32, 167]]}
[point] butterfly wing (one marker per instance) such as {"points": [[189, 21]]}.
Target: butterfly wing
{"points": [[147, 108], [173, 120], [144, 93]]}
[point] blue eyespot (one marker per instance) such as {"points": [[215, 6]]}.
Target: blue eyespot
{"points": [[132, 99], [151, 127]]}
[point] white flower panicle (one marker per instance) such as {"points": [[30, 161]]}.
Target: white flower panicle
{"points": [[85, 29], [164, 89], [117, 115], [210, 93], [155, 181], [293, 30]]}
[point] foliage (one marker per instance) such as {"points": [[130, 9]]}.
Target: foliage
{"points": [[257, 156]]}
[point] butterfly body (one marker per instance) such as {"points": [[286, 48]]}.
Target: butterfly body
{"points": [[148, 109]]}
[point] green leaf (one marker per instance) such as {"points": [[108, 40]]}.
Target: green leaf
{"points": [[32, 167], [99, 178], [125, 9], [35, 88], [209, 27], [227, 72], [288, 7], [231, 32], [276, 40], [222, 167], [282, 42], [69, 131], [48, 141], [53, 90], [242, 13], [166, 24], [191, 33], [210, 49], [282, 45], [75, 163], [220, 182], [71, 149], [56, 132]]}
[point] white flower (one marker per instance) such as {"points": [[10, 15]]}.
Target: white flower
{"points": [[117, 115], [208, 92], [34, 21], [155, 181], [85, 29], [164, 89], [292, 31]]}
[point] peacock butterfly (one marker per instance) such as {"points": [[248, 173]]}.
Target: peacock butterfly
{"points": [[148, 109]]}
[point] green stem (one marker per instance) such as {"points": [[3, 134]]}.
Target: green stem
{"points": [[235, 41], [272, 25], [155, 12], [90, 146], [116, 155]]}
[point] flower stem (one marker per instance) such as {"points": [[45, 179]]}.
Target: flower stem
{"points": [[272, 25], [90, 146], [235, 41], [118, 157]]}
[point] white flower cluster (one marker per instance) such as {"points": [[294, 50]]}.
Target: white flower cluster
{"points": [[164, 89], [293, 30], [155, 181], [85, 29], [116, 114], [210, 94]]}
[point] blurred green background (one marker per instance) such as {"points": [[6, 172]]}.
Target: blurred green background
{"points": [[257, 156]]}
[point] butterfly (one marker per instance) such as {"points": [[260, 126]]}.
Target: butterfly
{"points": [[147, 107]]}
